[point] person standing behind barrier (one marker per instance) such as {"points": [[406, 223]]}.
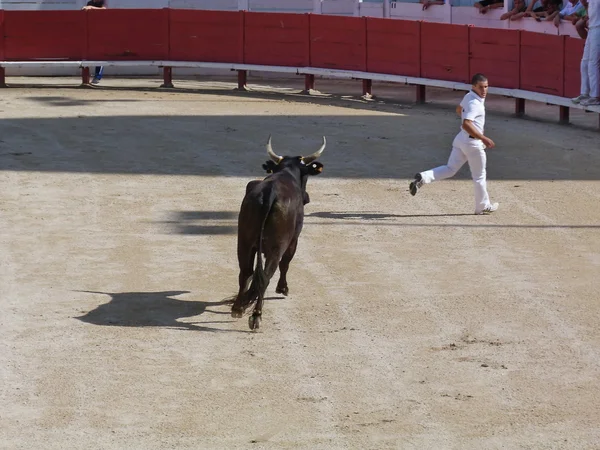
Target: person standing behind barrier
{"points": [[96, 4], [468, 146], [590, 62]]}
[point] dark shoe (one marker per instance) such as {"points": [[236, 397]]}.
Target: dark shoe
{"points": [[415, 184], [95, 80]]}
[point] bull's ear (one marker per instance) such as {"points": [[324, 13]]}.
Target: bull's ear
{"points": [[269, 166], [315, 168]]}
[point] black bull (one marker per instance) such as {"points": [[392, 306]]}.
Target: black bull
{"points": [[269, 224]]}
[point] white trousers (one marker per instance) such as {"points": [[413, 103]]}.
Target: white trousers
{"points": [[465, 149], [590, 64]]}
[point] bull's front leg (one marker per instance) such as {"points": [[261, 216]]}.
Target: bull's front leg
{"points": [[284, 264]]}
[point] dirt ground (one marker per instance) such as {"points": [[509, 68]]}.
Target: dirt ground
{"points": [[411, 323]]}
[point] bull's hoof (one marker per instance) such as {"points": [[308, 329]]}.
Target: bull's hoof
{"points": [[254, 322], [282, 290], [237, 313]]}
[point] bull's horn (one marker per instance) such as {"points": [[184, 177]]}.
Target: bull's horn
{"points": [[310, 158], [274, 156]]}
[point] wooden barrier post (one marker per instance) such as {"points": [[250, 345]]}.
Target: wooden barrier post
{"points": [[2, 77], [367, 86], [564, 114], [242, 80], [519, 106], [167, 77], [309, 83], [421, 93], [85, 76]]}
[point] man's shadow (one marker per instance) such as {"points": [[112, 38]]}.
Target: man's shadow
{"points": [[152, 309]]}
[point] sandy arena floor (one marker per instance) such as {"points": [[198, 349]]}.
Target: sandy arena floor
{"points": [[410, 324]]}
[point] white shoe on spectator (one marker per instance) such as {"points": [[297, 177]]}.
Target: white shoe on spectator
{"points": [[592, 101], [580, 98]]}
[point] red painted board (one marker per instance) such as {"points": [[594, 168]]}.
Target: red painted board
{"points": [[495, 53], [207, 36], [1, 35], [573, 55], [44, 35], [276, 39], [393, 46], [542, 59], [445, 52], [338, 42], [128, 34]]}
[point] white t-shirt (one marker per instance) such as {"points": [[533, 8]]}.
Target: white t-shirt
{"points": [[473, 109], [571, 8], [593, 12]]}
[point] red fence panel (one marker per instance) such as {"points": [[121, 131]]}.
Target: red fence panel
{"points": [[542, 63], [495, 53], [445, 52], [573, 55], [128, 34], [393, 46], [210, 36], [1, 35], [38, 35], [276, 39], [338, 42]]}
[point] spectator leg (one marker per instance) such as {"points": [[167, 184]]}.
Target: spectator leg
{"points": [[564, 114], [421, 93], [367, 86], [242, 80], [519, 106], [2, 77], [85, 76], [167, 77]]}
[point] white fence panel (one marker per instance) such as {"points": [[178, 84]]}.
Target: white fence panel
{"points": [[414, 11], [371, 9], [214, 5], [137, 4], [41, 5], [282, 6], [340, 7], [469, 15]]}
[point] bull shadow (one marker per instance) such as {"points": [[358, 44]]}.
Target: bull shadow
{"points": [[202, 222], [153, 309]]}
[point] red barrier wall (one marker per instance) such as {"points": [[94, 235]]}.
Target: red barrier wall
{"points": [[496, 54], [35, 35], [445, 52], [128, 34], [393, 46], [191, 31], [338, 42], [510, 58], [1, 35], [542, 63], [277, 39], [573, 55]]}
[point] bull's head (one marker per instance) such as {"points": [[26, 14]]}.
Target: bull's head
{"points": [[307, 164]]}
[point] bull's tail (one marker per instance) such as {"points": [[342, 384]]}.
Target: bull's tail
{"points": [[260, 281]]}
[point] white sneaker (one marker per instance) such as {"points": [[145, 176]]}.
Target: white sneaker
{"points": [[490, 209], [579, 98], [592, 101]]}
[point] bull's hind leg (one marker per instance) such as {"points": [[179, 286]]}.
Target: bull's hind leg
{"points": [[246, 262], [282, 286], [256, 317]]}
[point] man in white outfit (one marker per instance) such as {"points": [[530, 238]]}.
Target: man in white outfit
{"points": [[590, 62], [468, 146]]}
